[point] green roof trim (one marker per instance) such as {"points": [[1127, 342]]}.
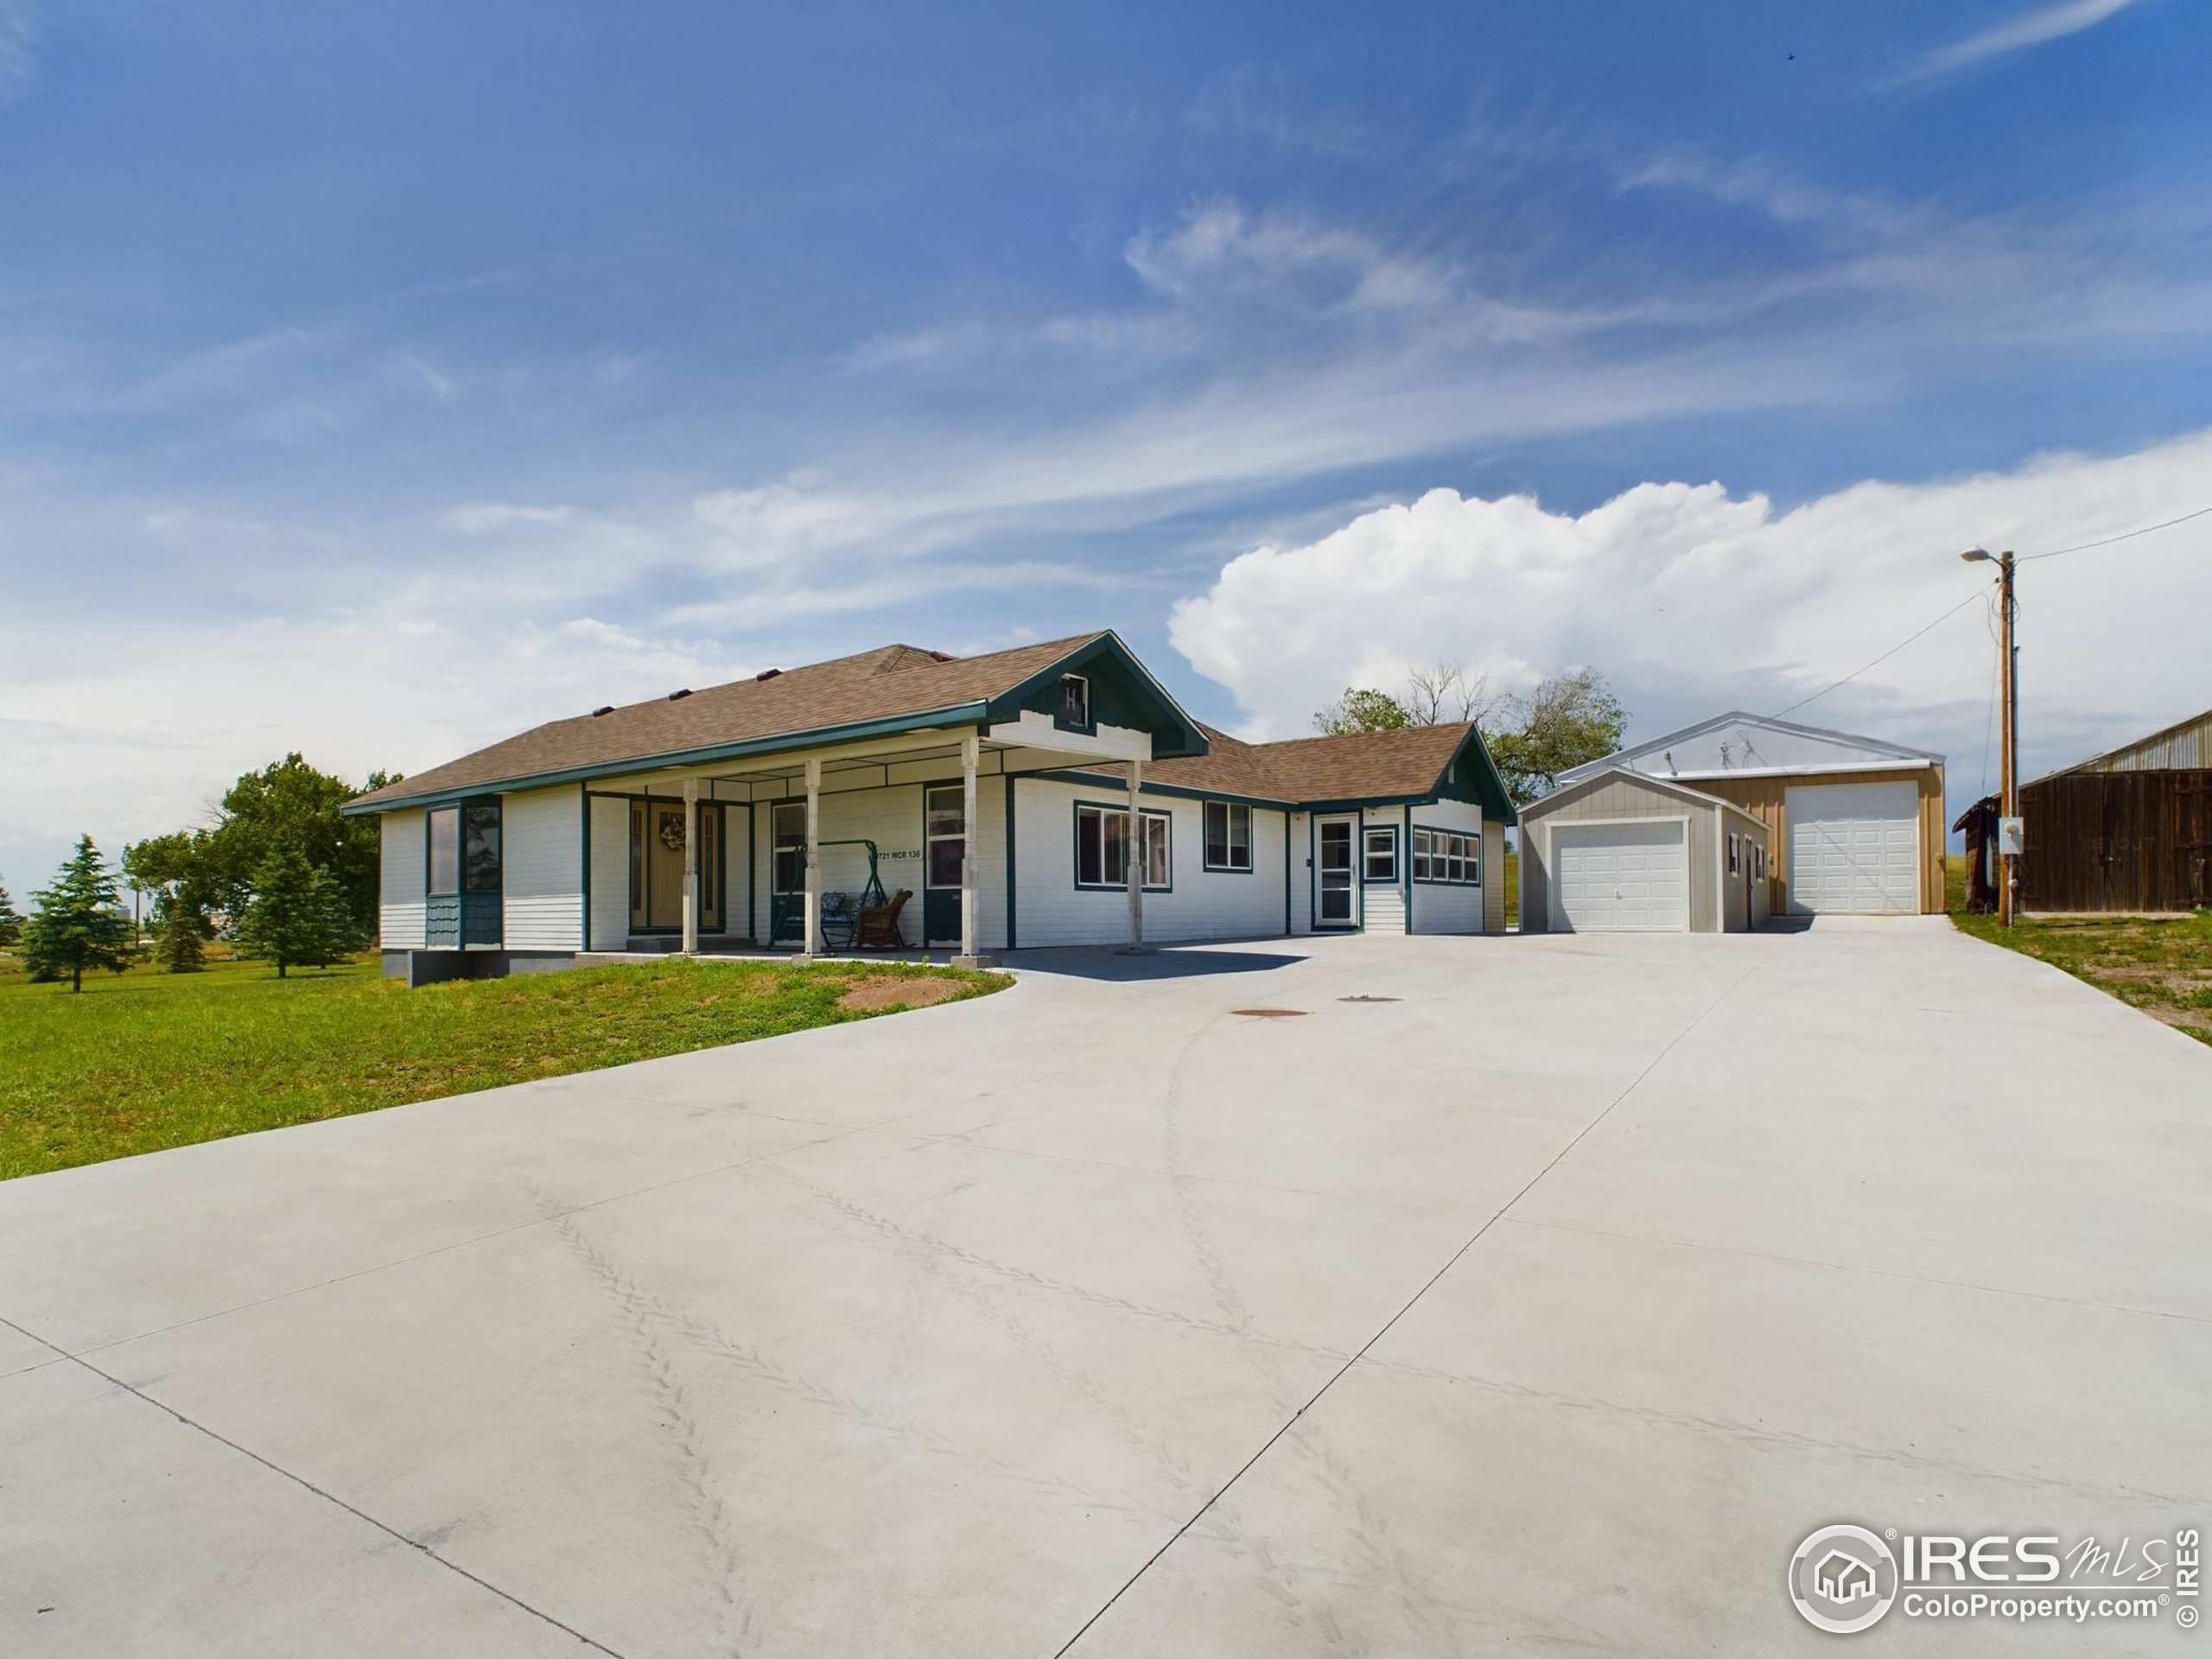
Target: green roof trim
{"points": [[1183, 739], [962, 714]]}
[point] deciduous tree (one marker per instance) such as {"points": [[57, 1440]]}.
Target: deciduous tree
{"points": [[1568, 721], [1362, 708]]}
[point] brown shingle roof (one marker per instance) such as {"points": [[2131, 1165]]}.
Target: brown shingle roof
{"points": [[1358, 766], [892, 681]]}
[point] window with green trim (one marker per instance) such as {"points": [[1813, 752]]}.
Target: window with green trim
{"points": [[464, 849], [1450, 856], [1228, 835], [1101, 847]]}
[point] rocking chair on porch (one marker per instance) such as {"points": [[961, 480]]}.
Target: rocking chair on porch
{"points": [[875, 927]]}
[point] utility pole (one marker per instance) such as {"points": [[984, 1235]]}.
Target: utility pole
{"points": [[2008, 787], [2010, 800]]}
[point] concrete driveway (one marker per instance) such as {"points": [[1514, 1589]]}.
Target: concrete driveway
{"points": [[1545, 1308]]}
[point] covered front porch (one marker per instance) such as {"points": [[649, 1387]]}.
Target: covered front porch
{"points": [[900, 846]]}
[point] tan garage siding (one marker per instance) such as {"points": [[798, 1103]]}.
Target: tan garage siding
{"points": [[1614, 797], [1494, 876], [1762, 795]]}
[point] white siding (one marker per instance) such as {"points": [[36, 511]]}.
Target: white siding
{"points": [[399, 910], [1445, 907], [1382, 905], [610, 874], [1301, 873], [541, 869], [1203, 905]]}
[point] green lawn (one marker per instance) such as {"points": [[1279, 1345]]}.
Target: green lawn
{"points": [[2160, 964], [144, 1060]]}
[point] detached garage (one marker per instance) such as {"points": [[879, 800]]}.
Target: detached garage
{"points": [[1856, 823], [1617, 853]]}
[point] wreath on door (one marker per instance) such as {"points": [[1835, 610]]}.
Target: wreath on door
{"points": [[671, 834]]}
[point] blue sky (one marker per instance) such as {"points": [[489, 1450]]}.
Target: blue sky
{"points": [[376, 381]]}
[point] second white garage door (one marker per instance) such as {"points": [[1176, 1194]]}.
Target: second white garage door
{"points": [[1854, 849], [1620, 878]]}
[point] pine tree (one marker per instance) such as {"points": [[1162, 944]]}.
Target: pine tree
{"points": [[79, 923], [299, 916], [181, 933], [11, 925]]}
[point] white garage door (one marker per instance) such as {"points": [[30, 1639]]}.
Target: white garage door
{"points": [[1854, 849], [1619, 877]]}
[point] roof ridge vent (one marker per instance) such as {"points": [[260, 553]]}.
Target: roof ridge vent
{"points": [[943, 657], [603, 708], [678, 696], [767, 674]]}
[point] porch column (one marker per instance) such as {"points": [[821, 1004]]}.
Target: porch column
{"points": [[813, 858], [970, 755], [690, 866], [1133, 853]]}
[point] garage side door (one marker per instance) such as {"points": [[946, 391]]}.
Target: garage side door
{"points": [[1854, 849], [1620, 878]]}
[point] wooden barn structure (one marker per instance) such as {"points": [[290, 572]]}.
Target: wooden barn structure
{"points": [[2131, 830]]}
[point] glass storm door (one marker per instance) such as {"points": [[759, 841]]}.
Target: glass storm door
{"points": [[1335, 866], [944, 845], [787, 876]]}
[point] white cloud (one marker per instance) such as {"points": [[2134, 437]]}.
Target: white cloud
{"points": [[18, 29], [484, 518], [124, 754], [1693, 599], [1220, 251], [2044, 23]]}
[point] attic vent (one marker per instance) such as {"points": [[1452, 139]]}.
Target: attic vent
{"points": [[678, 696], [603, 708], [767, 673]]}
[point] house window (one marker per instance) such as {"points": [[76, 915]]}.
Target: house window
{"points": [[445, 850], [1447, 855], [1381, 853], [787, 829], [1758, 863], [1229, 836], [479, 846], [1735, 863], [1101, 848], [1073, 710]]}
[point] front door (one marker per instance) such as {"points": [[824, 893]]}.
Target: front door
{"points": [[1336, 866], [944, 846], [657, 867], [663, 864]]}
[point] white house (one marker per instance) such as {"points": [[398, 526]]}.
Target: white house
{"points": [[997, 790]]}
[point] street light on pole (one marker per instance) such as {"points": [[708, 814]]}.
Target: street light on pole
{"points": [[2009, 836]]}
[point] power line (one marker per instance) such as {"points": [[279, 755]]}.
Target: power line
{"points": [[2079, 547], [1883, 657], [2124, 536]]}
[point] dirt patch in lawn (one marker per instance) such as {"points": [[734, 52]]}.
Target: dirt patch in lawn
{"points": [[2161, 964], [873, 996]]}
